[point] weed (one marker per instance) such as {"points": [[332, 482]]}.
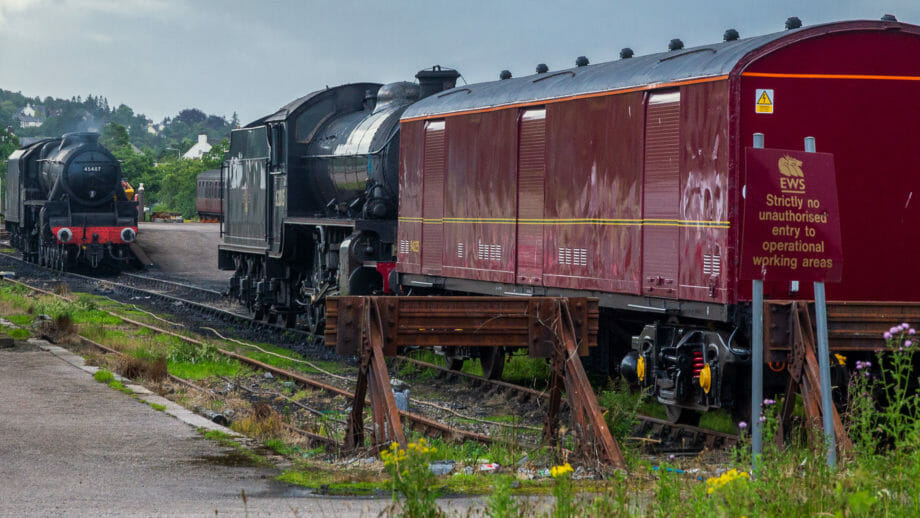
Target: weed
{"points": [[262, 422], [158, 407], [119, 386], [411, 478], [103, 376], [21, 320], [153, 369], [18, 334], [500, 504]]}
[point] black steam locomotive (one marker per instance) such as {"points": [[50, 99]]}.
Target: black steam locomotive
{"points": [[67, 206], [310, 197]]}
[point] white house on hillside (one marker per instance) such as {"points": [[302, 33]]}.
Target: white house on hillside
{"points": [[29, 117], [199, 149]]}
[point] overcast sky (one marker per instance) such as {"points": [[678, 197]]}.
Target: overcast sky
{"points": [[160, 56]]}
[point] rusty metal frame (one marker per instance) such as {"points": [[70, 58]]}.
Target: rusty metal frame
{"points": [[803, 370], [559, 328]]}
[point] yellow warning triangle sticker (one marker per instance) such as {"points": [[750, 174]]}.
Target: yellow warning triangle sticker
{"points": [[764, 99]]}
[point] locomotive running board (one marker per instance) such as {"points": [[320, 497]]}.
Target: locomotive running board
{"points": [[562, 329]]}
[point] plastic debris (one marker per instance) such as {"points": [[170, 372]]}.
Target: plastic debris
{"points": [[489, 466], [441, 467]]}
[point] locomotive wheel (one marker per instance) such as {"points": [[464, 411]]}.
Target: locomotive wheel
{"points": [[453, 359], [680, 415], [493, 362]]}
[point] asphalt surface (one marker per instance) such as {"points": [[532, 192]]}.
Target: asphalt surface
{"points": [[70, 446], [187, 250]]}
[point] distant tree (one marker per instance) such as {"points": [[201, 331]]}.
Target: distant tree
{"points": [[234, 121], [114, 136], [215, 123], [191, 116]]}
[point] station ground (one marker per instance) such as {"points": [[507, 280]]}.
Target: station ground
{"points": [[184, 250], [70, 446]]}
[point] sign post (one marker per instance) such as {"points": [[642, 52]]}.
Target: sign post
{"points": [[791, 233], [756, 352], [824, 354]]}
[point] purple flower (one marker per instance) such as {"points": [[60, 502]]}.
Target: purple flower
{"points": [[908, 343], [742, 425], [911, 331], [905, 326], [671, 457], [763, 419], [894, 330], [887, 335]]}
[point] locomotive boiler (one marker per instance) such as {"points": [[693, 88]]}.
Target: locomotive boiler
{"points": [[66, 204]]}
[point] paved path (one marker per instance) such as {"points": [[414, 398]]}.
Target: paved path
{"points": [[70, 446], [188, 250]]}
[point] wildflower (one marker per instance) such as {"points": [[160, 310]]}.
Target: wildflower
{"points": [[908, 343], [559, 471], [763, 419], [887, 335], [742, 425], [905, 326], [671, 457], [729, 476], [895, 330]]}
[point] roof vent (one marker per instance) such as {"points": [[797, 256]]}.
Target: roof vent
{"points": [[675, 44], [505, 74], [793, 22], [626, 53], [542, 68], [581, 61], [889, 18], [731, 35]]}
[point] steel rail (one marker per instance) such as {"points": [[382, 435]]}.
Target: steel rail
{"points": [[704, 437], [415, 421]]}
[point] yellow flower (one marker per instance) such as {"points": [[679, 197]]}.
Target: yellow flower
{"points": [[715, 483], [558, 471]]}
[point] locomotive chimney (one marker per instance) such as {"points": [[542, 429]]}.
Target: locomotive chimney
{"points": [[436, 79]]}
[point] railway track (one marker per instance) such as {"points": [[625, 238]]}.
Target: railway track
{"points": [[676, 437], [414, 421]]}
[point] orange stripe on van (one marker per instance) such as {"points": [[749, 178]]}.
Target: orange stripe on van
{"points": [[830, 76]]}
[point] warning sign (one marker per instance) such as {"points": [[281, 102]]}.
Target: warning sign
{"points": [[763, 101], [791, 218]]}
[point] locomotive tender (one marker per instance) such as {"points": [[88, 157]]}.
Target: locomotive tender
{"points": [[622, 181], [67, 205]]}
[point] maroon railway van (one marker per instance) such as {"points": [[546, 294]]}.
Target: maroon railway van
{"points": [[625, 180]]}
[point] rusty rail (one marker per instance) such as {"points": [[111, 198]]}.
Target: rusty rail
{"points": [[561, 329]]}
